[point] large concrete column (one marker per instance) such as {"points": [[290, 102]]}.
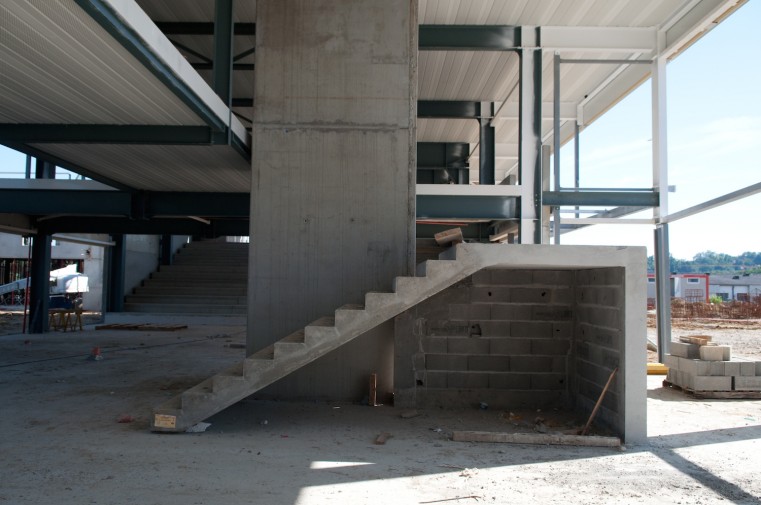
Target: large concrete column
{"points": [[333, 195]]}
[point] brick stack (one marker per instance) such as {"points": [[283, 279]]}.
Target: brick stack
{"points": [[697, 364]]}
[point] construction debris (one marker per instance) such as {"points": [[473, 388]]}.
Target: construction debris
{"points": [[451, 236], [409, 414], [381, 439], [198, 428]]}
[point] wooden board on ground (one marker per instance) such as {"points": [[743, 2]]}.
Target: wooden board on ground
{"points": [[535, 438], [142, 327], [716, 395]]}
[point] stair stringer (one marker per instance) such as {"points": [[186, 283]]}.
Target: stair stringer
{"points": [[319, 338]]}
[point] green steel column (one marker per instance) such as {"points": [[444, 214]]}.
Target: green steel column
{"points": [[223, 50], [116, 269], [40, 284]]}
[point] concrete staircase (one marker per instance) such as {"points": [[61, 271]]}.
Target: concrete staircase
{"points": [[208, 277], [315, 340]]}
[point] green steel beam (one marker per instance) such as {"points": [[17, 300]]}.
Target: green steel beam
{"points": [[202, 28], [469, 38], [236, 67], [222, 74], [465, 207], [441, 155], [110, 134], [600, 198], [448, 109], [156, 226]]}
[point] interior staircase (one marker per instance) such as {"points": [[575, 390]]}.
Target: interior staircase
{"points": [[205, 277], [315, 340]]}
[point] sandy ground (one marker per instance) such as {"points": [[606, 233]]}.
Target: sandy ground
{"points": [[61, 441]]}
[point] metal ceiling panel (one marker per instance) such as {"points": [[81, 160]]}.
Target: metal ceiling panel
{"points": [[60, 66], [162, 168]]}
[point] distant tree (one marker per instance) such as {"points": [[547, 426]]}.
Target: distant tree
{"points": [[713, 263]]}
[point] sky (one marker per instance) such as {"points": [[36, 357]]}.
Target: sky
{"points": [[714, 136], [714, 139]]}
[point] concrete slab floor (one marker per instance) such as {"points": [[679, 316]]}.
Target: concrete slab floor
{"points": [[60, 441]]}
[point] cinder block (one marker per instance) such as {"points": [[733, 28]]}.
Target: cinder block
{"points": [[435, 380], [554, 313], [489, 363], [715, 352], [553, 277], [717, 369], [562, 330], [504, 277], [560, 364], [467, 380], [474, 345], [550, 346], [509, 381], [712, 383], [747, 369], [748, 383], [531, 329], [495, 328], [510, 312], [691, 351], [758, 368], [531, 295], [482, 277], [435, 345], [490, 294], [446, 362], [469, 312], [672, 362], [689, 366], [509, 346], [731, 368], [703, 368], [548, 381], [534, 364]]}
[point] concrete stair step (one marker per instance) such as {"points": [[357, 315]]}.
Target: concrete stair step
{"points": [[187, 308], [186, 299], [190, 290]]}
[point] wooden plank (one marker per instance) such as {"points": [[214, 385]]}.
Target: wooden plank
{"points": [[373, 402], [716, 395], [696, 339], [453, 235], [535, 438]]}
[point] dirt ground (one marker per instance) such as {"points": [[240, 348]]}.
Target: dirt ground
{"points": [[61, 442]]}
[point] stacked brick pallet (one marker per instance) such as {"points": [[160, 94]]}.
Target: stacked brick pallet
{"points": [[700, 366]]}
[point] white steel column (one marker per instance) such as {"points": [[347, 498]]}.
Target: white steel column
{"points": [[530, 144], [660, 185]]}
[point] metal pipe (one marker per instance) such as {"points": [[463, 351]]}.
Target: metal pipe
{"points": [[716, 202], [662, 290], [576, 168], [556, 121]]}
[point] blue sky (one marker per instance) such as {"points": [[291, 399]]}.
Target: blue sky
{"points": [[714, 136]]}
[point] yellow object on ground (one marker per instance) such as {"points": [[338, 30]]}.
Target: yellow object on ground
{"points": [[657, 369]]}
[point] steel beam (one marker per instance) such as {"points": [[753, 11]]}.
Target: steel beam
{"points": [[712, 204], [469, 38], [486, 145], [448, 109], [156, 226], [465, 207], [601, 198], [202, 28], [110, 134], [236, 67], [605, 39], [441, 155]]}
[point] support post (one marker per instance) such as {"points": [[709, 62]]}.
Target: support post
{"points": [[576, 159], [28, 171], [486, 146], [223, 50], [556, 140], [662, 290], [40, 284], [546, 210], [660, 185], [44, 170], [116, 269], [165, 254], [530, 136]]}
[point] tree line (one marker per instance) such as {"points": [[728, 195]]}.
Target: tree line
{"points": [[709, 262]]}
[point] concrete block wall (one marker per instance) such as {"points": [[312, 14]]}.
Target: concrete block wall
{"points": [[501, 336], [516, 338], [599, 338]]}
